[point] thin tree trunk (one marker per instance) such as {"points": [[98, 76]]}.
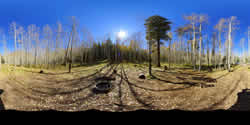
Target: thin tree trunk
{"points": [[169, 55], [66, 53], [15, 46], [150, 60], [200, 50], [193, 53], [72, 40], [0, 61], [158, 53], [229, 45], [220, 59]]}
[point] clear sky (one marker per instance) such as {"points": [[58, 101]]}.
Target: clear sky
{"points": [[109, 16]]}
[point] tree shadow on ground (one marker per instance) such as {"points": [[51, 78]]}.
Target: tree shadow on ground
{"points": [[243, 101], [189, 84], [73, 81], [90, 64], [155, 90], [65, 93], [85, 65], [199, 77], [134, 93], [76, 82], [205, 79], [181, 78], [171, 82], [1, 102], [145, 101], [225, 97], [78, 100], [93, 91]]}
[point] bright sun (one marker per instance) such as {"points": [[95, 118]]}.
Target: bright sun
{"points": [[121, 34]]}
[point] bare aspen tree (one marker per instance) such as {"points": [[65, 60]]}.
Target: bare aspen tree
{"points": [[208, 52], [0, 57], [13, 28], [225, 58], [181, 31], [1, 43], [213, 58], [30, 35], [220, 26], [229, 42], [202, 19], [242, 42], [203, 49], [73, 37], [188, 32], [47, 31], [20, 41], [26, 46], [231, 22], [248, 36], [169, 54], [59, 41], [193, 20], [37, 43], [0, 61], [5, 49]]}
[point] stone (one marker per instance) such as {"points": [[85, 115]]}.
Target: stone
{"points": [[142, 76], [41, 71]]}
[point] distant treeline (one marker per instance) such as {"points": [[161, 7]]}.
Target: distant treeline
{"points": [[70, 44]]}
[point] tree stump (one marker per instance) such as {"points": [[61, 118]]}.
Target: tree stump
{"points": [[114, 71], [165, 68]]}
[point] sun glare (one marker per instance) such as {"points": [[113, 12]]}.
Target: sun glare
{"points": [[121, 34]]}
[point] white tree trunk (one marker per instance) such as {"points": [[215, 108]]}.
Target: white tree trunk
{"points": [[200, 49], [229, 44], [193, 46]]}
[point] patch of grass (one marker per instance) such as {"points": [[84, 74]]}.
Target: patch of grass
{"points": [[4, 68], [150, 77]]}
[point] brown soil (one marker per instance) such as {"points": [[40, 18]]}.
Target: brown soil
{"points": [[176, 89]]}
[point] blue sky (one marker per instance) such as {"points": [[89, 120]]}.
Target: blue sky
{"points": [[110, 16]]}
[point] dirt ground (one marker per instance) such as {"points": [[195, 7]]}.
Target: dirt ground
{"points": [[184, 89]]}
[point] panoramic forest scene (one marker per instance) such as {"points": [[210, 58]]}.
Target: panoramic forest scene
{"points": [[124, 55]]}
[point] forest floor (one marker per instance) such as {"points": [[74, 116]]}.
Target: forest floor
{"points": [[180, 88]]}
